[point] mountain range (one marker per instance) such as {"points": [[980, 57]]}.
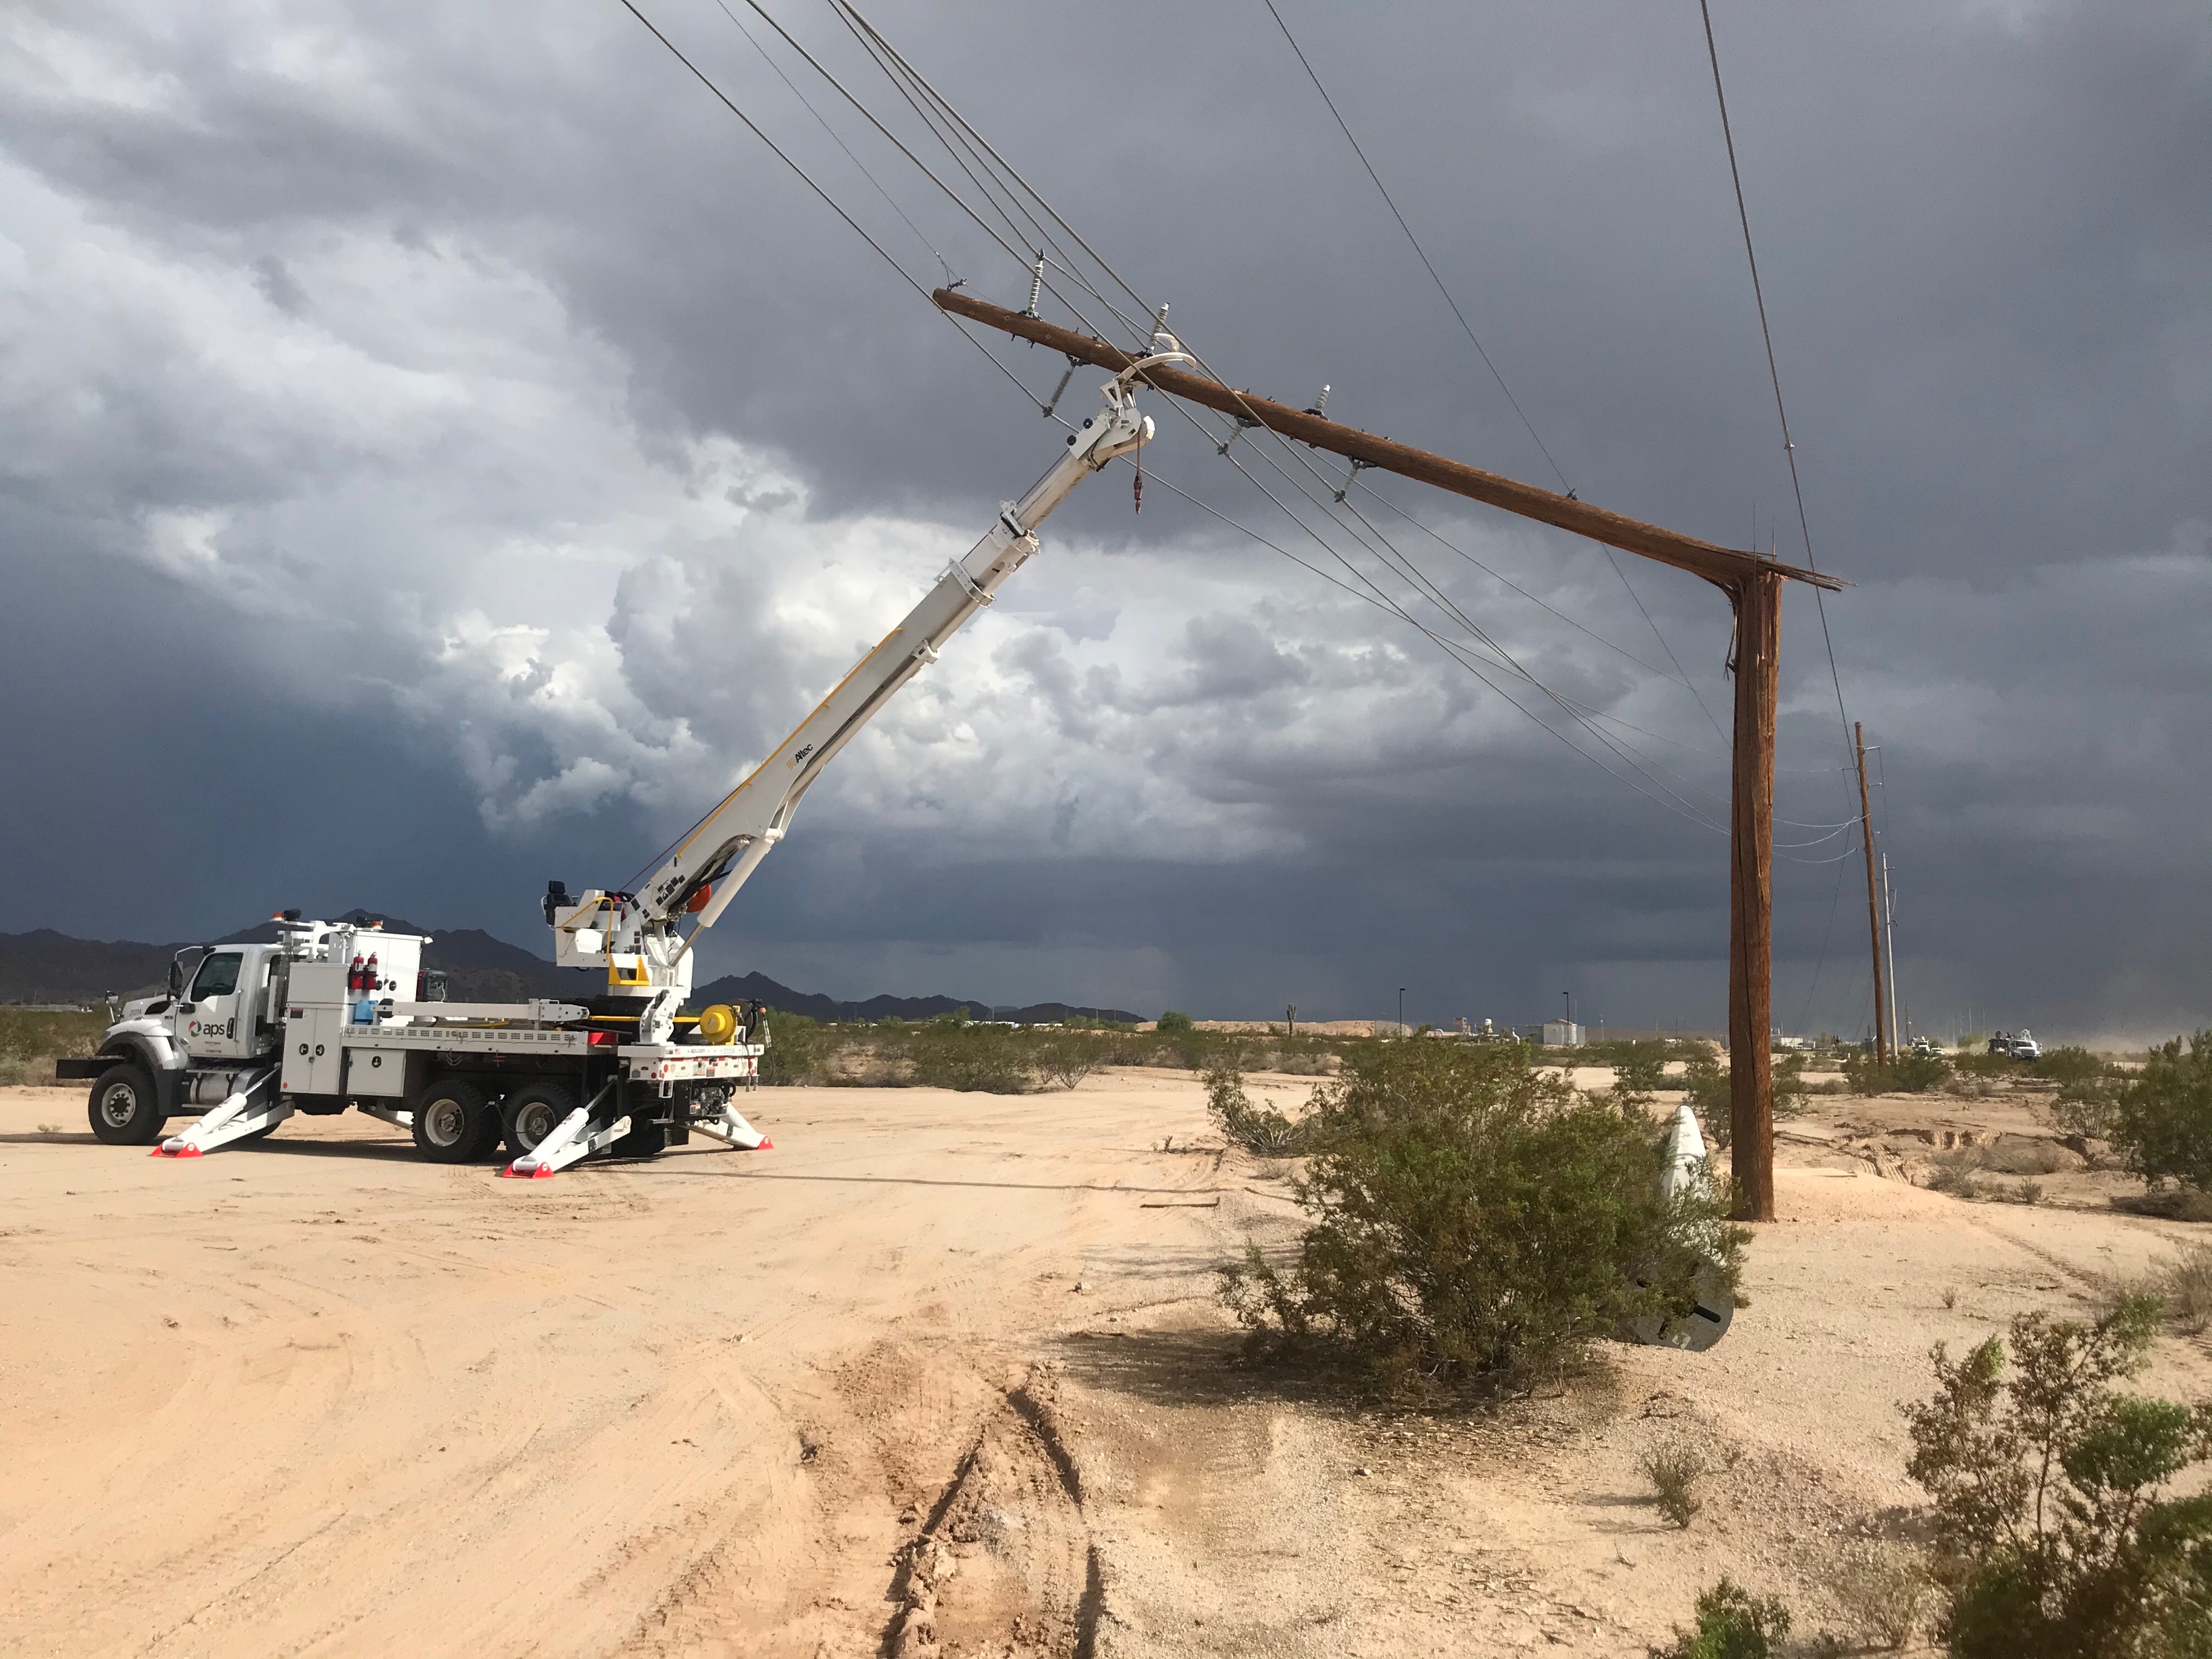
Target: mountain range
{"points": [[48, 967]]}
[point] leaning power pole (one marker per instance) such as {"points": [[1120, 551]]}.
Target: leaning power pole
{"points": [[1754, 586], [1884, 1048]]}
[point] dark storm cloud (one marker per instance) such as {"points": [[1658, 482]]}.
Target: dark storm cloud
{"points": [[384, 293]]}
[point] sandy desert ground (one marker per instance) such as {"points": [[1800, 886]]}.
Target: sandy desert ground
{"points": [[940, 1374]]}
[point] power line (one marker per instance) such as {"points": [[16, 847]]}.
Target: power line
{"points": [[1488, 362], [1781, 413], [1419, 252], [954, 132], [835, 137], [1381, 601], [1004, 193], [1773, 370]]}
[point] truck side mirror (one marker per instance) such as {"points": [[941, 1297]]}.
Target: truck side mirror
{"points": [[176, 976]]}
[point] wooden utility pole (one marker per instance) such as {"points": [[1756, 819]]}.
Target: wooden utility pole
{"points": [[1884, 1047], [1750, 894], [1753, 586]]}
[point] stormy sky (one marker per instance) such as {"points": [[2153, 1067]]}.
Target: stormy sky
{"points": [[439, 449]]}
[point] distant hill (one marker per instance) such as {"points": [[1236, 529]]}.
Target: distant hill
{"points": [[759, 988], [44, 966]]}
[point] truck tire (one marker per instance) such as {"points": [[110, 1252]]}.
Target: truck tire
{"points": [[124, 1108], [533, 1112], [646, 1140], [451, 1120]]}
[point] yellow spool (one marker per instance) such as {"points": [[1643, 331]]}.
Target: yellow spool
{"points": [[718, 1024]]}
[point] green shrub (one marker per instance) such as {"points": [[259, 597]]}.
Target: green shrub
{"points": [[2069, 1064], [1639, 1068], [1174, 1021], [973, 1058], [1913, 1073], [2183, 1285], [1957, 1171], [2162, 1116], [1790, 1092], [1884, 1588], [1476, 1225], [1974, 1060], [1732, 1623], [1067, 1057], [1674, 1472], [1707, 1081], [795, 1049], [2054, 1531], [31, 1040], [1260, 1129]]}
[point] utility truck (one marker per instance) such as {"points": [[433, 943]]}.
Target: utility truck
{"points": [[330, 1015], [333, 1016]]}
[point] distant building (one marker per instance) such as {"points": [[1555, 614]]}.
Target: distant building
{"points": [[1562, 1034]]}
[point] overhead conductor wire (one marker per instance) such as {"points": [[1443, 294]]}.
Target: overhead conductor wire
{"points": [[1006, 201], [1789, 446], [1481, 351]]}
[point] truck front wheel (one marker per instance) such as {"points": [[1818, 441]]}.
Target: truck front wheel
{"points": [[126, 1111], [451, 1120]]}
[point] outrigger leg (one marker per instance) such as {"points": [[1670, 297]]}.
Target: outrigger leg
{"points": [[731, 1126], [575, 1137], [238, 1116]]}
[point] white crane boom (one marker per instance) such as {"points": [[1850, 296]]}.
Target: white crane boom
{"points": [[634, 935]]}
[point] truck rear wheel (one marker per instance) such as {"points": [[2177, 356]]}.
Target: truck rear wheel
{"points": [[451, 1118], [533, 1112], [124, 1108]]}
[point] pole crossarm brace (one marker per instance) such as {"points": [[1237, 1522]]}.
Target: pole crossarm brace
{"points": [[1730, 567]]}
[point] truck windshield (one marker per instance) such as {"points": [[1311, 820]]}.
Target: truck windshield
{"points": [[217, 977]]}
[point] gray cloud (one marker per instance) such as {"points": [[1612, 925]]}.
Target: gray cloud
{"points": [[468, 417]]}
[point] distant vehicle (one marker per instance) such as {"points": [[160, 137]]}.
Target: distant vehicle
{"points": [[1925, 1045], [2016, 1045]]}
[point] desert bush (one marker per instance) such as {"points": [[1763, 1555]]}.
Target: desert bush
{"points": [[795, 1049], [2183, 1285], [2088, 1111], [973, 1058], [1957, 1172], [2162, 1115], [2028, 1192], [2069, 1063], [31, 1040], [1885, 1588], [1732, 1623], [1067, 1057], [1706, 1082], [2054, 1532], [1974, 1059], [1475, 1224], [1911, 1072], [2087, 1102], [1260, 1129], [1674, 1471], [1639, 1068], [1790, 1092], [2025, 1158], [1174, 1021]]}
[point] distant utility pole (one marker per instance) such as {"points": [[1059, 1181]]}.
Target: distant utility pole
{"points": [[1401, 1010], [1889, 949], [1291, 1019], [1882, 1051]]}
